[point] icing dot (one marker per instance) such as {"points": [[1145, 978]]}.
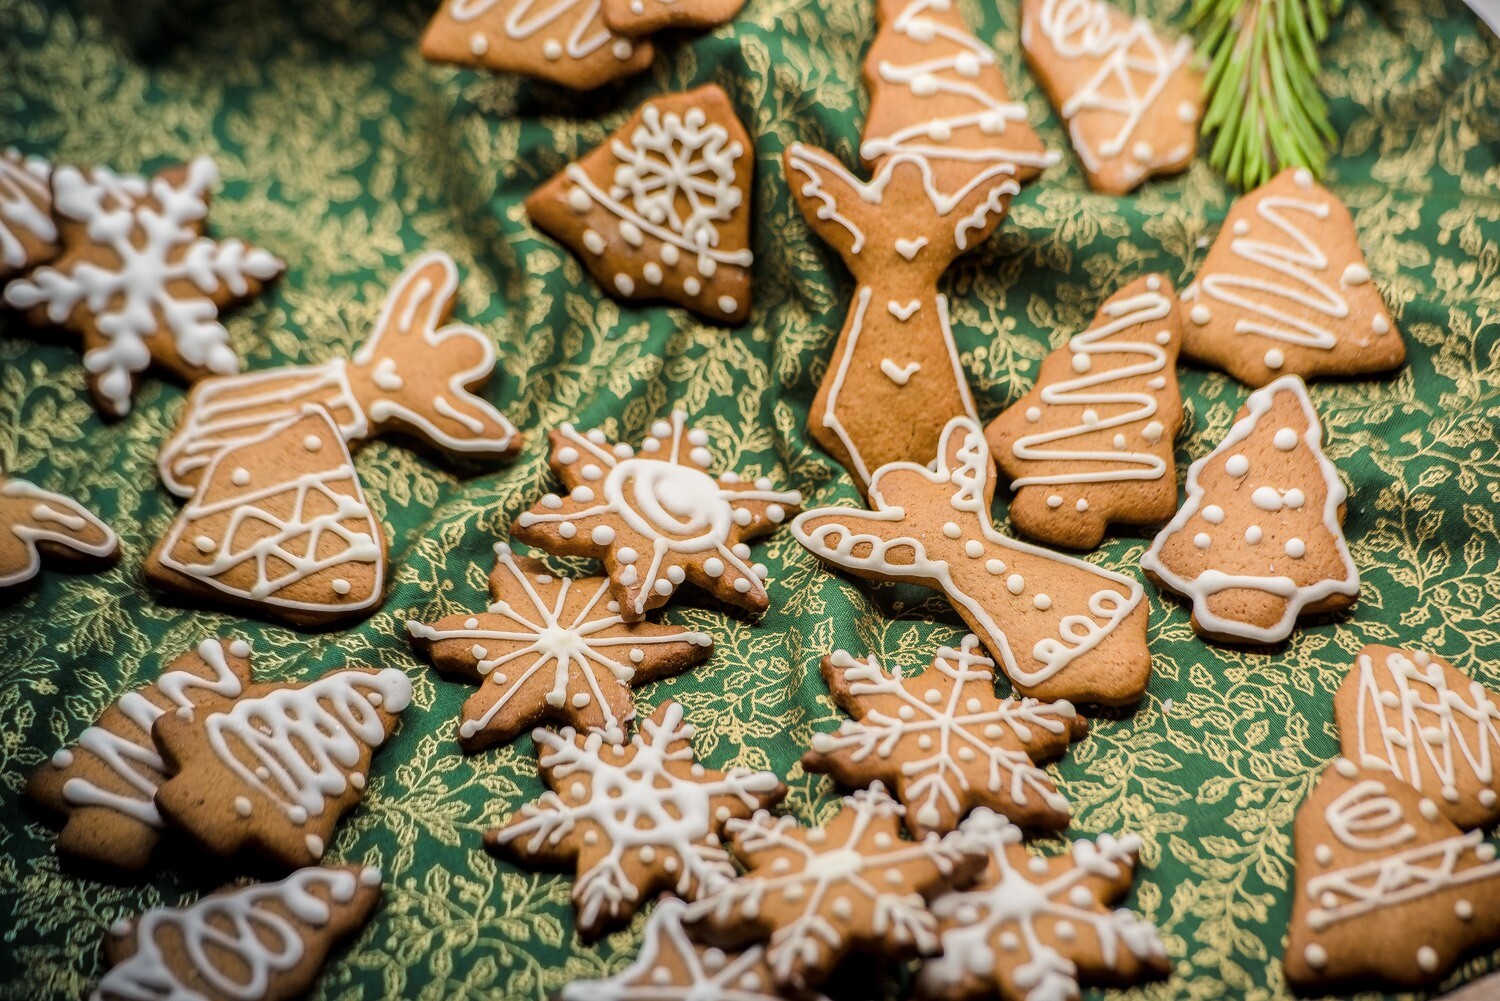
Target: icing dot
{"points": [[727, 304], [1241, 228], [1463, 910], [627, 555], [1427, 959], [1091, 417], [1346, 768], [1286, 439], [579, 200], [315, 845], [567, 530], [478, 43], [1200, 314], [664, 586], [1296, 548], [1380, 325], [1153, 431], [580, 700], [1316, 956], [1186, 111], [239, 648], [1082, 505], [1293, 498], [1202, 540], [312, 443], [995, 567], [241, 477], [1428, 809], [602, 535], [691, 285], [1303, 177], [1275, 359], [776, 513], [1015, 583], [1163, 337], [1237, 465], [742, 585], [951, 530], [242, 806], [924, 85], [625, 284], [1323, 854], [1042, 602], [1356, 274], [593, 241], [1082, 363], [1253, 534], [552, 49], [567, 456], [1266, 498], [1213, 514], [471, 623], [632, 234], [340, 585], [974, 549], [1055, 500], [622, 50], [1142, 151], [1033, 414], [63, 758], [713, 566], [205, 544], [1118, 442]]}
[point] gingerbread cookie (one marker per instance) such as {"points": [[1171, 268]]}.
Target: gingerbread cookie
{"points": [[814, 895], [947, 148], [1285, 290], [552, 649], [279, 525], [1059, 627], [37, 523], [28, 233], [1131, 97], [662, 209], [1387, 888], [106, 782], [412, 374], [672, 967], [944, 742], [638, 18], [136, 278], [658, 518], [560, 41], [274, 768], [1092, 444], [1259, 540], [633, 818], [262, 942], [1036, 927], [1431, 726]]}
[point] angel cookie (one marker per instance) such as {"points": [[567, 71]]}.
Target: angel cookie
{"points": [[635, 818], [554, 649], [1092, 443], [662, 209], [28, 233], [560, 41], [279, 525], [943, 742], [657, 518], [1059, 627], [415, 373], [1130, 97], [37, 524], [1260, 539], [1285, 290], [138, 280], [272, 768]]}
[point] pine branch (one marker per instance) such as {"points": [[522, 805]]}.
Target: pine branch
{"points": [[1263, 97]]}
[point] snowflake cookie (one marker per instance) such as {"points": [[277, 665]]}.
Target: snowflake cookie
{"points": [[262, 942], [661, 210], [657, 518], [28, 233], [415, 373], [37, 524], [1260, 539], [1034, 927], [944, 742], [1059, 627], [634, 818], [814, 895], [274, 767], [555, 649], [138, 280], [1388, 890]]}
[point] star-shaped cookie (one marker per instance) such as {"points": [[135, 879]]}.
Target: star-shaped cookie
{"points": [[634, 818], [137, 279], [657, 518], [37, 523], [944, 742], [551, 648]]}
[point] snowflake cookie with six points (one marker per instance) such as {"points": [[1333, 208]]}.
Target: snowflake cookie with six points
{"points": [[657, 518]]}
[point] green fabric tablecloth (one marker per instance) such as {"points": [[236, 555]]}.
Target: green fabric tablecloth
{"points": [[345, 154]]}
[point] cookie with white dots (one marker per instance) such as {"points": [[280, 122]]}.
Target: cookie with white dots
{"points": [[661, 210], [639, 18]]}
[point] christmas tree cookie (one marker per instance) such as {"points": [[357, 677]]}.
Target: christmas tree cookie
{"points": [[1092, 444], [138, 280], [943, 742], [28, 233], [1285, 290], [37, 524], [1259, 541]]}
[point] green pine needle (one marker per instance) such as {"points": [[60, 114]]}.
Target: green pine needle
{"points": [[1265, 112]]}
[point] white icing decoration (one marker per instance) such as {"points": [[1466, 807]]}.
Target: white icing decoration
{"points": [[25, 204], [53, 520], [523, 22]]}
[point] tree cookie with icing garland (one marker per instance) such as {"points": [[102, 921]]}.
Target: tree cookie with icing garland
{"points": [[1389, 892], [633, 818], [657, 518], [564, 42], [38, 525], [1035, 927], [1259, 542], [1060, 628], [415, 373], [138, 280], [1092, 444], [550, 648], [279, 525], [661, 210], [1131, 98], [28, 233], [105, 783], [273, 768], [943, 742], [261, 942], [1429, 725], [1285, 290], [815, 895]]}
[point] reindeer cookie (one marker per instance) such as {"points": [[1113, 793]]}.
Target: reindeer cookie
{"points": [[947, 149], [1092, 443], [412, 375], [37, 524], [662, 209], [1059, 627], [28, 233]]}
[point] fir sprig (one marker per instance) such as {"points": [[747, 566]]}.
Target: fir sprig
{"points": [[1263, 97]]}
